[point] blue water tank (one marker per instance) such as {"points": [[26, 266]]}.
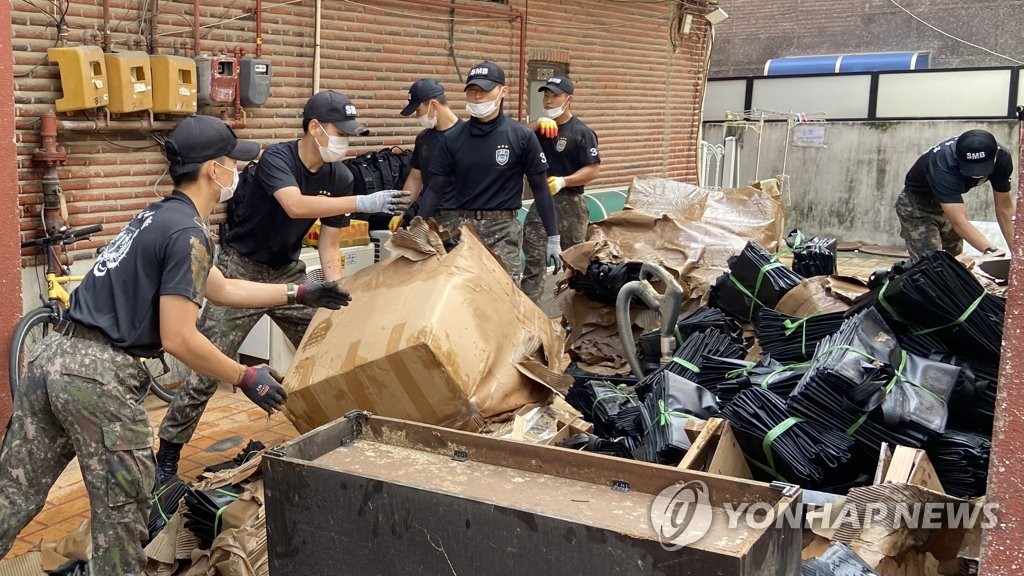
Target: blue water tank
{"points": [[839, 63]]}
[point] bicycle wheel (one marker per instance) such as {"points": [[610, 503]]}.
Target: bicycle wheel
{"points": [[166, 374], [31, 330]]}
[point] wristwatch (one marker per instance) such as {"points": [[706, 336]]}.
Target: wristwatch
{"points": [[291, 290]]}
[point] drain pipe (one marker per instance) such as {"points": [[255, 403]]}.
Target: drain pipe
{"points": [[259, 28], [195, 28], [106, 26], [50, 155], [667, 304], [316, 47]]}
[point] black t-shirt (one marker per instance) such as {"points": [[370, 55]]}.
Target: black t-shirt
{"points": [[936, 174], [488, 162], [261, 230], [164, 250], [573, 148], [423, 155]]}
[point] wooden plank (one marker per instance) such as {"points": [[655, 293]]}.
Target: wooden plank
{"points": [[716, 451], [884, 457], [912, 466]]}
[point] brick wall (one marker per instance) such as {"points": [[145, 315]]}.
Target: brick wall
{"points": [[758, 31], [639, 93]]}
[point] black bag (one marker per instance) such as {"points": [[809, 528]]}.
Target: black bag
{"points": [[237, 206], [385, 169]]}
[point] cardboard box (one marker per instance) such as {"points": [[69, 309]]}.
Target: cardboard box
{"points": [[447, 339]]}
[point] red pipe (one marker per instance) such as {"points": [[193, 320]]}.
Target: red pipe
{"points": [[106, 25], [195, 28], [259, 28], [239, 52], [510, 13]]}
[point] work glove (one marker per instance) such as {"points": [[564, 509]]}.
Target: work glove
{"points": [[262, 385], [322, 295], [386, 201], [547, 127], [554, 249], [555, 183]]}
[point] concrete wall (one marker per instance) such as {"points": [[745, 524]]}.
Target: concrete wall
{"points": [[848, 188], [758, 31]]}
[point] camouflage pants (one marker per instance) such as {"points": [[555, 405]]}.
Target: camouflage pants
{"points": [[504, 237], [573, 217], [84, 398], [227, 329], [925, 228]]}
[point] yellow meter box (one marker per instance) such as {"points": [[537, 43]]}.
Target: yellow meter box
{"points": [[83, 77], [131, 81], [174, 84]]}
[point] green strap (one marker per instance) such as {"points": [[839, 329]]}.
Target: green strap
{"points": [[664, 415], [757, 286], [156, 501], [769, 438], [888, 387], [619, 393], [686, 364], [679, 336], [741, 371], [888, 308], [802, 324], [778, 371], [216, 518], [960, 320]]}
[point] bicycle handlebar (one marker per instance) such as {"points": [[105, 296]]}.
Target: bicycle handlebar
{"points": [[67, 237]]}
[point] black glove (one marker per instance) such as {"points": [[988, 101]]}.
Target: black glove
{"points": [[262, 385], [322, 295]]}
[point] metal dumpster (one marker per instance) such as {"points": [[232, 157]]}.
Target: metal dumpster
{"points": [[375, 496]]}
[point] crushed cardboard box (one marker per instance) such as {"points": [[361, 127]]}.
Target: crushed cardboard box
{"points": [[437, 341]]}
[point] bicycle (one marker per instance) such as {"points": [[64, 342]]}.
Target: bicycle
{"points": [[165, 373]]}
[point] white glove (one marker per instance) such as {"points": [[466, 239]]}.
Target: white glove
{"points": [[386, 201], [554, 249], [555, 183]]}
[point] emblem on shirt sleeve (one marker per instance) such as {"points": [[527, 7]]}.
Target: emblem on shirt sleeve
{"points": [[560, 145], [501, 155]]}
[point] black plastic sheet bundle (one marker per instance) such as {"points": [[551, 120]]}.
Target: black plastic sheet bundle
{"points": [[251, 450], [686, 359], [600, 402], [756, 280], [672, 401], [203, 510], [629, 422], [972, 406], [602, 282], [961, 461], [861, 383], [789, 339], [791, 449], [937, 295], [701, 320], [165, 503], [838, 560], [727, 377], [812, 256], [618, 447]]}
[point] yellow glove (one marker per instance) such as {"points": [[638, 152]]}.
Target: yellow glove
{"points": [[547, 127], [555, 183]]}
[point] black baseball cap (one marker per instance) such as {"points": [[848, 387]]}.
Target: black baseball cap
{"points": [[332, 107], [200, 138], [486, 75], [558, 85], [976, 153], [422, 90]]}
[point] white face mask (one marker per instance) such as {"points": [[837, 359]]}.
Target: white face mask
{"points": [[337, 147], [226, 192], [554, 113], [482, 109], [427, 122]]}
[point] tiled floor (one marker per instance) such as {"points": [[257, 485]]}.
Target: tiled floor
{"points": [[230, 421]]}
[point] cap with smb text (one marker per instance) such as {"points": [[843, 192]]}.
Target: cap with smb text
{"points": [[200, 138], [976, 153], [486, 75], [423, 90], [332, 107], [558, 85]]}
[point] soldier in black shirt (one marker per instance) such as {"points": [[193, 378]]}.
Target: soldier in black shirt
{"points": [[278, 200], [931, 206], [428, 104], [487, 158], [83, 386], [573, 161]]}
